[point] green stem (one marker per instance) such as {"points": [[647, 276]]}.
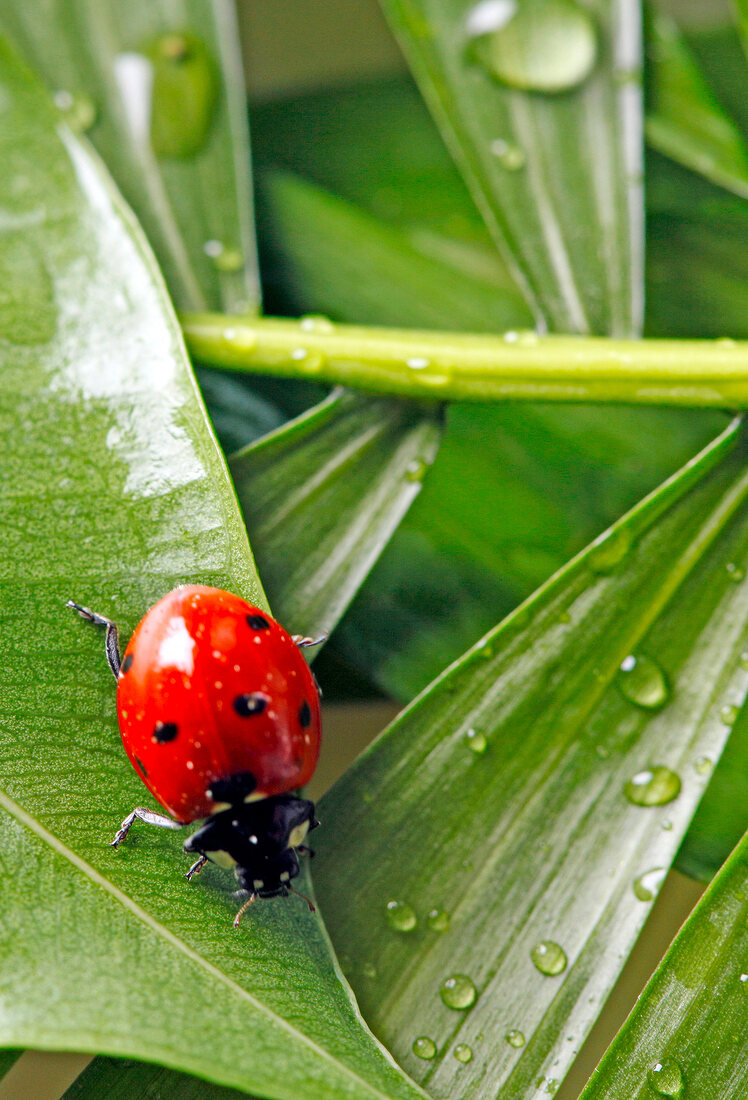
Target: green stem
{"points": [[516, 366]]}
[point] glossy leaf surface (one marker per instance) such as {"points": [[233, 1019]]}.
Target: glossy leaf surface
{"points": [[686, 121], [687, 1030], [169, 71], [556, 177], [323, 495], [530, 788], [115, 492]]}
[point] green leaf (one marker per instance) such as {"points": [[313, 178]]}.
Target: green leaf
{"points": [[324, 494], [120, 1079], [337, 260], [687, 121], [687, 1030], [740, 7], [153, 69], [8, 1058], [557, 177], [114, 492], [502, 790]]}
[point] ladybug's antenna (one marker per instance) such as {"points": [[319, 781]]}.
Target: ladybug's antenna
{"points": [[243, 910], [310, 903]]}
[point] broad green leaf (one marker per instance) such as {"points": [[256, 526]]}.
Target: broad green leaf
{"points": [[119, 71], [323, 495], [686, 121], [740, 8], [557, 177], [119, 1079], [115, 492], [686, 1035], [503, 790]]}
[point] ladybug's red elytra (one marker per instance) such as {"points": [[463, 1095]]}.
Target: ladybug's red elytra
{"points": [[219, 715]]}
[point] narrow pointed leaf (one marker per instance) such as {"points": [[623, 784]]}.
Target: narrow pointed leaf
{"points": [[114, 492], [323, 495], [687, 1030], [337, 260], [686, 121], [118, 71], [502, 789], [8, 1058], [556, 176]]}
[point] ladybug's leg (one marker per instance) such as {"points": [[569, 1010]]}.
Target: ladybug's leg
{"points": [[196, 868], [237, 919], [302, 641], [111, 641], [150, 817]]}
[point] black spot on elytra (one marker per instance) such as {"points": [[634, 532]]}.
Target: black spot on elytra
{"points": [[234, 789], [141, 767], [247, 706], [258, 622], [165, 731], [305, 714], [127, 663]]}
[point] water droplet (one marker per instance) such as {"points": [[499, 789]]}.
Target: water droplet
{"points": [[666, 1077], [401, 916], [728, 714], [653, 787], [458, 992], [185, 91], [734, 572], [642, 681], [647, 885], [743, 979], [425, 1048], [369, 970], [609, 550], [78, 108], [509, 155], [666, 825], [417, 362], [515, 1038], [463, 1053], [438, 920], [316, 322], [703, 765], [416, 470], [536, 45], [476, 741], [511, 337], [549, 958], [224, 257]]}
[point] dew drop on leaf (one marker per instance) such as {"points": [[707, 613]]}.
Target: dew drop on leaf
{"points": [[515, 1038], [666, 1078], [415, 470], [728, 714], [78, 109], [509, 155], [184, 95], [609, 550], [225, 258], [647, 885], [734, 572], [653, 787], [463, 1053], [703, 765], [642, 682], [476, 741], [458, 992], [438, 920], [425, 1048], [536, 45], [401, 916], [549, 958]]}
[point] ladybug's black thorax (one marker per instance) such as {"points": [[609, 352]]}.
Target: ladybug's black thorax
{"points": [[259, 839]]}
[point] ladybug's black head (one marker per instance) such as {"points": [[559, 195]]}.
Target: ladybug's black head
{"points": [[260, 841]]}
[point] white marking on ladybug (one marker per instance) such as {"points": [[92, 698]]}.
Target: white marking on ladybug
{"points": [[296, 836], [284, 876], [258, 884], [177, 649]]}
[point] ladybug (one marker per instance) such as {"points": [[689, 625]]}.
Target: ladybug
{"points": [[219, 714]]}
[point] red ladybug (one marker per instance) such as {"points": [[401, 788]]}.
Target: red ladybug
{"points": [[219, 715]]}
